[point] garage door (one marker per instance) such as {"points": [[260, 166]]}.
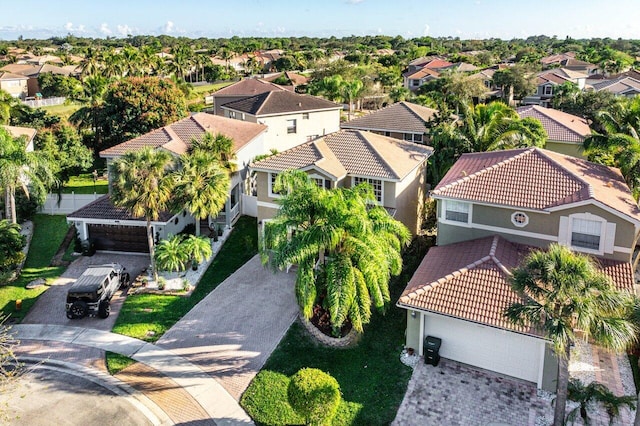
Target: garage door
{"points": [[486, 347], [119, 238]]}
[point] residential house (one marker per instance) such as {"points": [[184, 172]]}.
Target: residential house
{"points": [[565, 132], [402, 120], [486, 75], [547, 80], [432, 62], [14, 84], [112, 228], [622, 86], [493, 208], [291, 118], [553, 61], [27, 133], [241, 90], [297, 82], [414, 80], [32, 72], [395, 169]]}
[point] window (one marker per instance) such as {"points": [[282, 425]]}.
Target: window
{"points": [[376, 184], [321, 182], [312, 137], [520, 219], [291, 126], [415, 83], [548, 90], [413, 137], [234, 196], [456, 211], [586, 233], [272, 182], [305, 115], [387, 133], [232, 114]]}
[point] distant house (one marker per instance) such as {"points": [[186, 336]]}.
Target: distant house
{"points": [[112, 228], [486, 76], [32, 72], [414, 80], [14, 84], [291, 118], [401, 120], [565, 132], [546, 82], [27, 133], [395, 169], [554, 60], [622, 86], [493, 208], [241, 90], [294, 80]]}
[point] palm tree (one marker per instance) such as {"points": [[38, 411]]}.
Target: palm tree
{"points": [[93, 90], [170, 255], [141, 186], [219, 146], [198, 248], [594, 392], [350, 91], [346, 247], [564, 292], [30, 171], [226, 55], [10, 107]]}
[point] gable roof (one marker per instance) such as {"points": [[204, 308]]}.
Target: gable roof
{"points": [[248, 87], [351, 152], [621, 85], [470, 281], [103, 208], [280, 102], [536, 179], [422, 73], [176, 137], [4, 75], [559, 125], [402, 117], [15, 131]]}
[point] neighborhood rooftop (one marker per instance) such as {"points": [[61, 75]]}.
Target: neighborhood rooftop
{"points": [[249, 87], [559, 125], [398, 117], [280, 102], [536, 179], [177, 137], [354, 152], [103, 209]]}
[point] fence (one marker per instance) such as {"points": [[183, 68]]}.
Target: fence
{"points": [[69, 203], [249, 205], [45, 102]]}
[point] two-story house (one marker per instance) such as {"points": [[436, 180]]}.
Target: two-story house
{"points": [[291, 118], [243, 89], [14, 84], [395, 170], [113, 228], [546, 81], [493, 208], [401, 120]]}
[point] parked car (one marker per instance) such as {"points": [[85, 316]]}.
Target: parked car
{"points": [[92, 292]]}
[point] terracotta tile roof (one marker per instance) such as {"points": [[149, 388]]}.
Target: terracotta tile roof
{"points": [[20, 69], [176, 137], [103, 208], [421, 61], [280, 102], [437, 63], [536, 179], [559, 125], [353, 152], [4, 75], [248, 87], [17, 132], [296, 79], [422, 73], [401, 117], [470, 281]]}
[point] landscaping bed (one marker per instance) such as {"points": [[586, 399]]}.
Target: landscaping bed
{"points": [[372, 378]]}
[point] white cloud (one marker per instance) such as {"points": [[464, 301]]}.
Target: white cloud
{"points": [[81, 28], [124, 30], [169, 27], [425, 31], [68, 26], [104, 29]]}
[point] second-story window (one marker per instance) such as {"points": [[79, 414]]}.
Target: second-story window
{"points": [[305, 115], [376, 184], [586, 233], [548, 90], [456, 211], [291, 126]]}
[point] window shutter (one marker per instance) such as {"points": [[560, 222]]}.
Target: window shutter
{"points": [[564, 233], [609, 237]]}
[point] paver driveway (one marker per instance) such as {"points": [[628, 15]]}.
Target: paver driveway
{"points": [[49, 308], [231, 333], [457, 394]]}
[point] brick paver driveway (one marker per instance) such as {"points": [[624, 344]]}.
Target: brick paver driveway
{"points": [[231, 333], [457, 394], [49, 308]]}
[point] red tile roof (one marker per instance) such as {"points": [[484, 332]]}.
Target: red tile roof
{"points": [[176, 137], [559, 125], [537, 179], [403, 117], [102, 208], [471, 281]]}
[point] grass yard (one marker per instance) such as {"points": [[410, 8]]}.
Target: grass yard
{"points": [[210, 88], [49, 231], [149, 316], [372, 378], [63, 111], [117, 362], [83, 184]]}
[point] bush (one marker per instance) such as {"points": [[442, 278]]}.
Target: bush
{"points": [[315, 395]]}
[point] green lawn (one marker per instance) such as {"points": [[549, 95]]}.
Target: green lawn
{"points": [[83, 184], [210, 88], [372, 378], [149, 316], [63, 111], [48, 234], [117, 362]]}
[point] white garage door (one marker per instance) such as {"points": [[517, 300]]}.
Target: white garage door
{"points": [[486, 347]]}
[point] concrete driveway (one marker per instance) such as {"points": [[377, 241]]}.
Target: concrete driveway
{"points": [[50, 306], [231, 333]]}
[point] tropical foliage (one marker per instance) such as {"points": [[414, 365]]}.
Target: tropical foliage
{"points": [[346, 247], [567, 298], [11, 244], [315, 395], [595, 394]]}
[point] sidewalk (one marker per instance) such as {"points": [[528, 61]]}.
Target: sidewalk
{"points": [[217, 403]]}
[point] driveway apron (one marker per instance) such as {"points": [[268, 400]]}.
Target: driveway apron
{"points": [[231, 333]]}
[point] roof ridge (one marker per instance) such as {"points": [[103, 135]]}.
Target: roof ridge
{"points": [[415, 114], [575, 176], [292, 149], [544, 112], [526, 151], [492, 253], [380, 156]]}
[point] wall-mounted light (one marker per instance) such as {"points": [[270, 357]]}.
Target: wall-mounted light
{"points": [[413, 314]]}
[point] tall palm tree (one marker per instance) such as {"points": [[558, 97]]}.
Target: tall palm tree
{"points": [[141, 185], [30, 171], [350, 91], [219, 146], [93, 90], [201, 185], [564, 292], [345, 246]]}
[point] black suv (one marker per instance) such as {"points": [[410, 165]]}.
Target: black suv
{"points": [[92, 292]]}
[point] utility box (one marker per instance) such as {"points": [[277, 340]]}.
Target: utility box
{"points": [[431, 350]]}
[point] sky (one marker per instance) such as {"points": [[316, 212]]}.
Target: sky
{"points": [[467, 19]]}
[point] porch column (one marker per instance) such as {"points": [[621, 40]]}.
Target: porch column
{"points": [[420, 345], [227, 209]]}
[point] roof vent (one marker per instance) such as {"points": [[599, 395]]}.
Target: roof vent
{"points": [[610, 184], [299, 104], [464, 173]]}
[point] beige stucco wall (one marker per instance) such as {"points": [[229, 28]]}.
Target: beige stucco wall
{"points": [[539, 223], [318, 124], [572, 149], [413, 338], [16, 88], [409, 199]]}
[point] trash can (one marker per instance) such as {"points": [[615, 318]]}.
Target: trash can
{"points": [[431, 350]]}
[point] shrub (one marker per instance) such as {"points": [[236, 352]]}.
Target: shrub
{"points": [[315, 395], [162, 283], [11, 245], [170, 254]]}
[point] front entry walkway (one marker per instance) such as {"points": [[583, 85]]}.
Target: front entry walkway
{"points": [[231, 332]]}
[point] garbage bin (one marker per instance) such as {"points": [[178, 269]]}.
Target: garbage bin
{"points": [[431, 350]]}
